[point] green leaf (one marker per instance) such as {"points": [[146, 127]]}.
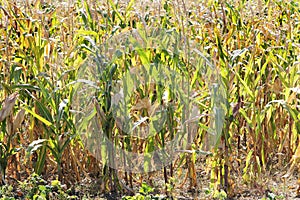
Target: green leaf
{"points": [[248, 161], [248, 90], [112, 4]]}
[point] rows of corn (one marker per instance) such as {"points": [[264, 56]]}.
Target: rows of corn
{"points": [[254, 46]]}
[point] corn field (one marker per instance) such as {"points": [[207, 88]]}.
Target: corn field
{"points": [[149, 99]]}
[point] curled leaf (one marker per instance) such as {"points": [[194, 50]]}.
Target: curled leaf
{"points": [[8, 106], [18, 119], [33, 146]]}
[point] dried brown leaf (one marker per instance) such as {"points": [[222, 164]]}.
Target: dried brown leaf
{"points": [[18, 119], [8, 106], [142, 104]]}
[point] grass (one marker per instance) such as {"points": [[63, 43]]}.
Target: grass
{"points": [[236, 68]]}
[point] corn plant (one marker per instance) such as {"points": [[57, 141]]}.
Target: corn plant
{"points": [[58, 125]]}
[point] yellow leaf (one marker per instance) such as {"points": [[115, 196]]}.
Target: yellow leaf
{"points": [[42, 119]]}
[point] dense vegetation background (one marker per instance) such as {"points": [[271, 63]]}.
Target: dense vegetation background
{"points": [[253, 45]]}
